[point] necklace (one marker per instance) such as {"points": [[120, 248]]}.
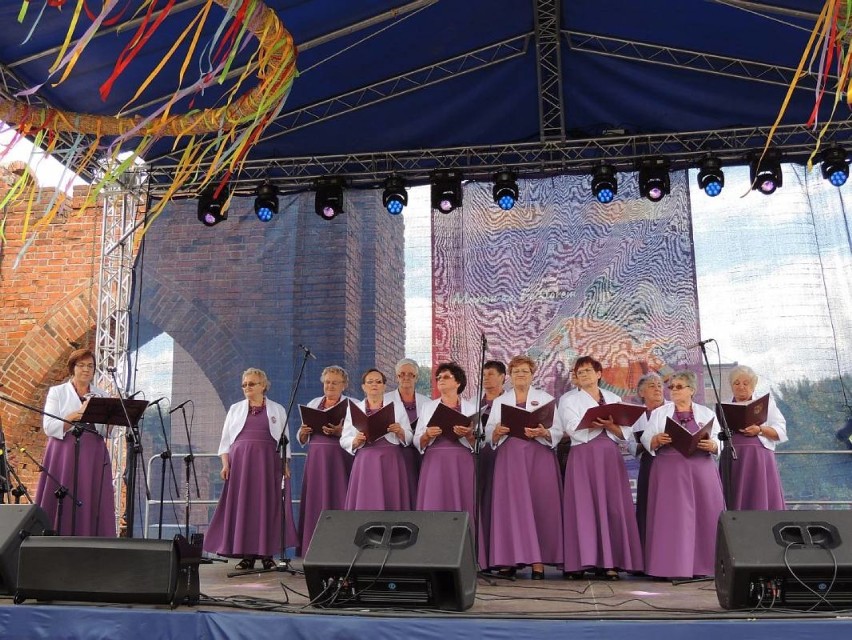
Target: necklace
{"points": [[256, 410]]}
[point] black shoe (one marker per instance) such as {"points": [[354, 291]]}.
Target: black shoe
{"points": [[537, 575], [507, 572], [573, 575], [246, 564]]}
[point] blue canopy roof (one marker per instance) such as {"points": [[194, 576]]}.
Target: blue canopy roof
{"points": [[449, 74]]}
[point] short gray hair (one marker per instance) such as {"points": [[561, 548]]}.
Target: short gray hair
{"points": [[335, 369], [688, 378], [252, 371], [651, 375], [405, 361], [743, 370]]}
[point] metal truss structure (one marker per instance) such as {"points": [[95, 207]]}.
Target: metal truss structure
{"points": [[535, 159], [551, 113], [123, 211]]}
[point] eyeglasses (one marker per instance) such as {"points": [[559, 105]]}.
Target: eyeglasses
{"points": [[249, 385], [379, 381], [405, 374], [579, 371], [445, 376], [333, 383], [89, 365], [521, 372], [677, 387]]}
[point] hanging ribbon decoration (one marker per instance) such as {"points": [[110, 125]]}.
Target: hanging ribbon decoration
{"points": [[236, 125], [829, 45]]}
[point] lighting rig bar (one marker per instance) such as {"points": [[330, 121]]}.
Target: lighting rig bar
{"points": [[534, 159]]}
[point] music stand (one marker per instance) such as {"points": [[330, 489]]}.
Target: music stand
{"points": [[122, 413], [110, 411]]}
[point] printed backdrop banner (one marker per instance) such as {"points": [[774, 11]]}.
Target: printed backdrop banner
{"points": [[561, 275]]}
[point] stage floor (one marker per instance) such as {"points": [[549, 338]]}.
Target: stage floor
{"points": [[275, 605]]}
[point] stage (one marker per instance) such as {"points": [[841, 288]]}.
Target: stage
{"points": [[276, 605]]}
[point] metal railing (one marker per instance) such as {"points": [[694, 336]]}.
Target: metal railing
{"points": [[181, 502]]}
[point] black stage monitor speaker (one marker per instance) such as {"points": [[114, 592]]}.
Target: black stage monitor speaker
{"points": [[108, 570], [784, 559], [391, 559], [17, 521]]}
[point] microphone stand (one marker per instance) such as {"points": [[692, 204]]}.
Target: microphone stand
{"points": [[134, 450], [19, 489], [61, 490], [284, 562], [729, 453], [478, 443], [189, 470], [165, 455]]}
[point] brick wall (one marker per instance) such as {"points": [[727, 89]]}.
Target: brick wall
{"points": [[48, 309], [240, 294]]}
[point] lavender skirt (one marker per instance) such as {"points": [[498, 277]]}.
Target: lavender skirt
{"points": [[96, 514], [599, 518], [324, 484], [247, 521], [684, 503], [754, 477], [379, 480], [526, 518], [446, 483]]}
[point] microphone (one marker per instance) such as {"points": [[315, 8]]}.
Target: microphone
{"points": [[307, 351], [182, 404], [158, 400], [130, 397], [111, 369], [484, 341], [700, 343]]}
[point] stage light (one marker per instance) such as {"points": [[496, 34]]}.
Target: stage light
{"points": [[505, 191], [446, 189], [211, 208], [835, 166], [604, 183], [765, 174], [266, 201], [329, 200], [710, 176], [395, 197], [654, 178]]}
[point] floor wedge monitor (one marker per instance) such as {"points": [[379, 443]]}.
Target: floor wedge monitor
{"points": [[118, 570], [403, 559], [784, 560], [17, 522]]}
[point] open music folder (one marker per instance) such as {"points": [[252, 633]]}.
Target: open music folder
{"points": [[740, 415], [447, 418], [316, 419], [623, 414], [518, 419], [374, 426], [683, 440]]}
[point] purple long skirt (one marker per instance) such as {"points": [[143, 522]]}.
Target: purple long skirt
{"points": [[446, 483], [247, 521], [646, 461], [379, 479], [487, 456], [96, 515], [324, 484], [754, 477], [684, 502], [526, 518], [413, 461], [599, 518]]}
